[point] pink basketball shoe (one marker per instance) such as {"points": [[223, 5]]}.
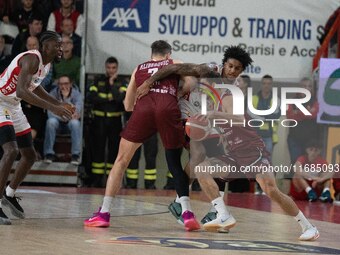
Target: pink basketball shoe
{"points": [[190, 222], [98, 220]]}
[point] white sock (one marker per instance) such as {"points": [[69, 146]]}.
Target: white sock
{"points": [[220, 207], [106, 207], [0, 202], [9, 191], [177, 199], [325, 189], [212, 207], [302, 220], [308, 189], [185, 203]]}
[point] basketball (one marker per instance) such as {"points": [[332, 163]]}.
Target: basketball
{"points": [[197, 127], [70, 107]]}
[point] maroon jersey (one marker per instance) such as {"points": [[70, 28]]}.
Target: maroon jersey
{"points": [[240, 137], [169, 85]]}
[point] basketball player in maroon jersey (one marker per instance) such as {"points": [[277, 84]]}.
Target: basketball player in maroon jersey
{"points": [[21, 80], [156, 112], [245, 148]]}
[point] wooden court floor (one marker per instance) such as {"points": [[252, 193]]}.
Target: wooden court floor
{"points": [[141, 224]]}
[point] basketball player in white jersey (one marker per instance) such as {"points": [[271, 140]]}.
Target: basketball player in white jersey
{"points": [[21, 80]]}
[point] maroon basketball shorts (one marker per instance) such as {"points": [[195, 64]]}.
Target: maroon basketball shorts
{"points": [[241, 164], [154, 113]]}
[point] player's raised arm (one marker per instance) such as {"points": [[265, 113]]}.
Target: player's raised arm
{"points": [[183, 69]]}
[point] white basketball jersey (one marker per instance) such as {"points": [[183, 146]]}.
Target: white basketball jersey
{"points": [[9, 78]]}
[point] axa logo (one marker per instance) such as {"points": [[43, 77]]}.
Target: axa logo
{"points": [[126, 16]]}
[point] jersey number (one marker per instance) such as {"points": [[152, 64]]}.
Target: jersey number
{"points": [[152, 71]]}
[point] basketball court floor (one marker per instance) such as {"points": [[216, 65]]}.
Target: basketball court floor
{"points": [[141, 224]]}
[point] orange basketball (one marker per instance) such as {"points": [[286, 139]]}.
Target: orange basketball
{"points": [[70, 107], [197, 127]]}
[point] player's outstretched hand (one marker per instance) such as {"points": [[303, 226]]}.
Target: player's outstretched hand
{"points": [[142, 90]]}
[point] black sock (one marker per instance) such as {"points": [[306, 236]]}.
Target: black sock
{"points": [[220, 183], [173, 158]]}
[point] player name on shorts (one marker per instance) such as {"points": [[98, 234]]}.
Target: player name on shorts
{"points": [[153, 64]]}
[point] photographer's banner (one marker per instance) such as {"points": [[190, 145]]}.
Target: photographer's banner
{"points": [[281, 36], [329, 91]]}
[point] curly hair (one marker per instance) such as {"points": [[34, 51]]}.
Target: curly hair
{"points": [[239, 54]]}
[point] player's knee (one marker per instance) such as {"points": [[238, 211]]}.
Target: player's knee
{"points": [[29, 156], [122, 161], [11, 153]]}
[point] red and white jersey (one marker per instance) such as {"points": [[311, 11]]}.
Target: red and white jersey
{"points": [[9, 78]]}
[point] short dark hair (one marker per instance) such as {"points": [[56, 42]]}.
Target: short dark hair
{"points": [[247, 79], [34, 16], [160, 47], [67, 76], [239, 54], [267, 76], [111, 60], [314, 143], [48, 36]]}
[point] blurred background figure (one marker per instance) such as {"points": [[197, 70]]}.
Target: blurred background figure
{"points": [[69, 64], [5, 58], [309, 184], [67, 94], [150, 148], [35, 26], [106, 96], [298, 137]]}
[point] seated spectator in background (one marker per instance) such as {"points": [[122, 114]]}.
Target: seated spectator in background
{"points": [[67, 29], [22, 14], [312, 177], [32, 43], [70, 64], [34, 29], [298, 137], [45, 8], [68, 94], [67, 10], [5, 59], [7, 9]]}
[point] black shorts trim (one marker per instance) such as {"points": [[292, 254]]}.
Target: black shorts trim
{"points": [[7, 134], [25, 141]]}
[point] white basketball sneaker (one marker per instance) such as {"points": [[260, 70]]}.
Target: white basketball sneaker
{"points": [[221, 225], [310, 234]]}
